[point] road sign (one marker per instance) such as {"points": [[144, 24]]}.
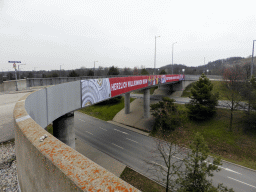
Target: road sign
{"points": [[14, 61], [14, 65]]}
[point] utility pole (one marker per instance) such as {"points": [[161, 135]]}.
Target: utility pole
{"points": [[172, 56], [155, 56]]}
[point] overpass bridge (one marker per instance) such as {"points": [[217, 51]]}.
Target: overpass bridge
{"points": [[45, 163]]}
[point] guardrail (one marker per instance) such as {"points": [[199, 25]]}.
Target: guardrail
{"points": [[33, 82]]}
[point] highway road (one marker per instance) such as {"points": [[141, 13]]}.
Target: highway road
{"points": [[135, 150], [184, 100]]}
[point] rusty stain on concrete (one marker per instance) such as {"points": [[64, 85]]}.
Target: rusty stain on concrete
{"points": [[87, 175]]}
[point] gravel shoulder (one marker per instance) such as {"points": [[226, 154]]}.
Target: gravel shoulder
{"points": [[8, 167]]}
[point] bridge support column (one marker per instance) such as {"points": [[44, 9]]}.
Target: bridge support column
{"points": [[146, 103], [127, 103], [63, 129]]}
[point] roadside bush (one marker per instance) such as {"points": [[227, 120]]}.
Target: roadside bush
{"points": [[167, 116], [203, 102], [249, 122]]}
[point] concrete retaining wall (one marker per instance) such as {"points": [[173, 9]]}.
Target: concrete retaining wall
{"points": [[11, 85], [51, 165], [1, 87]]}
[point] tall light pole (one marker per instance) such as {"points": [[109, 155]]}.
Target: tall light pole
{"points": [[60, 70], [155, 56], [94, 68], [252, 58], [172, 56]]}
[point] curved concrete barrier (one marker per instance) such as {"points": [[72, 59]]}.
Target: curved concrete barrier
{"points": [[47, 164]]}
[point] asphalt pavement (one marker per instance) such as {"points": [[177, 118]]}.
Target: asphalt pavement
{"points": [[7, 103], [138, 152]]}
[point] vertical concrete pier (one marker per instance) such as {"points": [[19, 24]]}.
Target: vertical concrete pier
{"points": [[127, 103], [146, 103], [63, 129]]}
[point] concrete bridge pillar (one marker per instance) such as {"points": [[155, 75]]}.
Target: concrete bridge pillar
{"points": [[63, 129], [146, 103], [127, 103]]}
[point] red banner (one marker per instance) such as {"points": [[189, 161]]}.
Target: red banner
{"points": [[120, 85]]}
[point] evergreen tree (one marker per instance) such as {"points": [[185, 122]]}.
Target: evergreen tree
{"points": [[113, 71], [203, 101], [198, 169], [167, 116], [73, 74], [90, 73], [144, 72], [162, 72]]}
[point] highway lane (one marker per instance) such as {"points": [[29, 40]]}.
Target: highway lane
{"points": [[135, 150]]}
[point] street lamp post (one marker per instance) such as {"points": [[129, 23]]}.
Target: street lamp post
{"points": [[94, 68], [172, 56], [60, 70], [252, 58], [155, 56]]}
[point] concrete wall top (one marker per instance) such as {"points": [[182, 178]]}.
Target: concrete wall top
{"points": [[51, 165], [47, 164]]}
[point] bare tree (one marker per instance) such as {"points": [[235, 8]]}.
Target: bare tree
{"points": [[166, 162], [233, 79]]}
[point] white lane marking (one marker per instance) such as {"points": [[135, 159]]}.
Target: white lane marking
{"points": [[103, 129], [90, 123], [159, 164], [177, 157], [132, 140], [242, 182], [121, 131], [117, 145], [227, 169], [88, 132]]}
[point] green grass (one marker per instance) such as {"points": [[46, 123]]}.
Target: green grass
{"points": [[140, 182], [49, 128], [234, 146], [218, 86], [105, 112]]}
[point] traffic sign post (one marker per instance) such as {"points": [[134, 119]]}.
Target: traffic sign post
{"points": [[14, 66]]}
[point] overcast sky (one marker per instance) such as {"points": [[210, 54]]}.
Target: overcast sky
{"points": [[74, 33]]}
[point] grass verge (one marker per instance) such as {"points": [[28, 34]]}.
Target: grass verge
{"points": [[218, 86], [234, 146], [105, 112], [140, 182]]}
